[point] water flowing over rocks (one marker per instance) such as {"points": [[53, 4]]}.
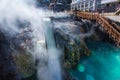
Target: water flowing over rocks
{"points": [[72, 36], [67, 37]]}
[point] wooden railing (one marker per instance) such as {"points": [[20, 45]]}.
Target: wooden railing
{"points": [[117, 12], [113, 33]]}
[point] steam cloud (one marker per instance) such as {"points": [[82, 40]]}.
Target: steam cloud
{"points": [[13, 12]]}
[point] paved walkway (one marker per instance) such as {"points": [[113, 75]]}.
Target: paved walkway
{"points": [[115, 18]]}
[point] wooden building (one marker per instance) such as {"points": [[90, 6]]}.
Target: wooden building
{"points": [[110, 5], [59, 5], [84, 5]]}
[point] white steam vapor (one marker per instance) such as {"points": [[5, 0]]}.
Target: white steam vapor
{"points": [[14, 11], [70, 28]]}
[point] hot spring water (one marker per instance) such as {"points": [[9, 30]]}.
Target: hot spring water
{"points": [[103, 64]]}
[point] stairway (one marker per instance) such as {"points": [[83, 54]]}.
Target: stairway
{"points": [[105, 24]]}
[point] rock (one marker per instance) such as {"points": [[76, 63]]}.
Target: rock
{"points": [[22, 56], [15, 60], [8, 70], [25, 64], [67, 38]]}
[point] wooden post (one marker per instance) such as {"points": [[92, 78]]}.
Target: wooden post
{"points": [[94, 5], [84, 6], [89, 5]]}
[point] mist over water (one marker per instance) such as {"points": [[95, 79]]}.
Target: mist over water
{"points": [[53, 62], [13, 12]]}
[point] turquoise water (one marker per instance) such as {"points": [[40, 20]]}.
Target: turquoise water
{"points": [[103, 64]]}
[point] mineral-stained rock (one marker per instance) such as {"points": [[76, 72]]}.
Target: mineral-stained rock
{"points": [[8, 70], [15, 60], [24, 64], [67, 38], [22, 48]]}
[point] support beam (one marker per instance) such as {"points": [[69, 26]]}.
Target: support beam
{"points": [[89, 5], [94, 3], [84, 6], [80, 6]]}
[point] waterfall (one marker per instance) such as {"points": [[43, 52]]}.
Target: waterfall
{"points": [[53, 61], [48, 67]]}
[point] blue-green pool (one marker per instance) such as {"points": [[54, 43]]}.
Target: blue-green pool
{"points": [[103, 64]]}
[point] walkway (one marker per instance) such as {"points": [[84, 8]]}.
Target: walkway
{"points": [[108, 27]]}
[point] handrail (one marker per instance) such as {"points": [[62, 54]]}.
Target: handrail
{"points": [[117, 12], [113, 33]]}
